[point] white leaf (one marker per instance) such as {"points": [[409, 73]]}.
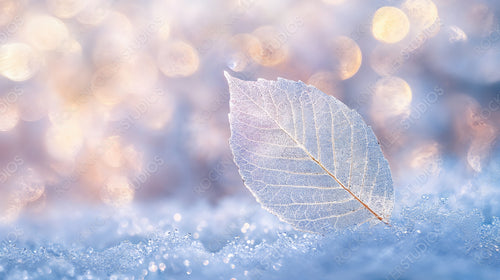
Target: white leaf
{"points": [[307, 157]]}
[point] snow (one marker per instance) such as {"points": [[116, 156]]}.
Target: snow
{"points": [[236, 239]]}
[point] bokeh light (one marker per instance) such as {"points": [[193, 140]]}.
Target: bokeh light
{"points": [[271, 50], [327, 82], [422, 13], [64, 140], [348, 55], [9, 113], [178, 59], [390, 25], [19, 61], [99, 88], [392, 97], [114, 40], [30, 186], [118, 191], [45, 32]]}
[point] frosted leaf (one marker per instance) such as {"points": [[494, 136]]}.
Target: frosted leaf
{"points": [[307, 157]]}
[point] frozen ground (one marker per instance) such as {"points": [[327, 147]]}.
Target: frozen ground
{"points": [[445, 236]]}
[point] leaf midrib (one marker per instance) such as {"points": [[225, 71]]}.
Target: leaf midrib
{"points": [[313, 158]]}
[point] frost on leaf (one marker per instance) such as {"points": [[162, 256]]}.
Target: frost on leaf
{"points": [[307, 157]]}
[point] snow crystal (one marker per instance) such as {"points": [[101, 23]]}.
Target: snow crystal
{"points": [[428, 239]]}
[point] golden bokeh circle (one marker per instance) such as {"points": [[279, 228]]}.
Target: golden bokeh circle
{"points": [[178, 59], [327, 82], [348, 56], [272, 48], [390, 24], [18, 61]]}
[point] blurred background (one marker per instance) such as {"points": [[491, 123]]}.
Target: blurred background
{"points": [[122, 102]]}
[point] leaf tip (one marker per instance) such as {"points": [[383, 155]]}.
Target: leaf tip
{"points": [[233, 83], [230, 79]]}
